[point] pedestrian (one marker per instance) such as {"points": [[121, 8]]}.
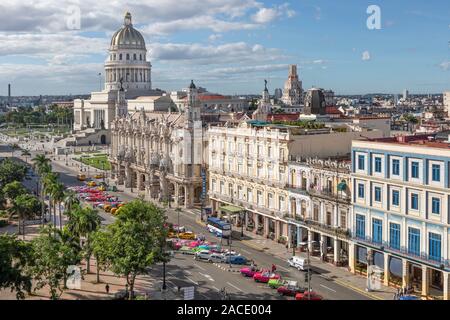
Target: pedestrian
{"points": [[107, 288], [274, 268]]}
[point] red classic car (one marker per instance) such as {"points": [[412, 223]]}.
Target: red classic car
{"points": [[290, 290], [265, 276], [308, 296], [250, 271]]}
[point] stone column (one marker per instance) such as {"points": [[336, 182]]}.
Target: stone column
{"points": [[177, 194], [128, 182], [186, 197], [266, 226], [277, 230], [446, 277], [352, 257], [256, 222], [337, 251], [405, 273], [386, 269], [310, 239], [139, 182], [425, 280], [323, 246]]}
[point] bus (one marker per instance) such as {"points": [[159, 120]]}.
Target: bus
{"points": [[218, 227]]}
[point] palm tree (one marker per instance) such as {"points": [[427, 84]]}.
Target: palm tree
{"points": [[48, 183], [82, 223], [71, 243], [40, 161], [26, 154], [70, 200], [58, 196], [43, 167]]}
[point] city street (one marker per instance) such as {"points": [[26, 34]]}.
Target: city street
{"points": [[210, 278]]}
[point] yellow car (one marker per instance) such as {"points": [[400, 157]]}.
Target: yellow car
{"points": [[187, 236], [101, 188], [171, 234], [107, 208], [81, 177], [92, 184], [113, 211], [98, 176]]}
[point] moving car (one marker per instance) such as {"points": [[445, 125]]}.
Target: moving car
{"points": [[290, 290], [216, 257], [265, 277], [186, 250], [92, 184], [308, 295], [276, 283], [81, 177], [236, 260], [98, 176], [298, 263]]}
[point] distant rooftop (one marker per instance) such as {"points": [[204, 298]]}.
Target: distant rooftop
{"points": [[427, 140]]}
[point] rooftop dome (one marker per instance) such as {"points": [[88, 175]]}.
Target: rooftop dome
{"points": [[127, 37]]}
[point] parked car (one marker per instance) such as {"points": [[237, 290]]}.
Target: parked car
{"points": [[186, 250], [250, 271], [202, 255], [265, 277], [299, 263], [236, 260], [276, 283], [408, 297], [187, 235], [290, 290], [308, 295], [216, 257]]}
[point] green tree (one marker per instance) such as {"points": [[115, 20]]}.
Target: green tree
{"points": [[49, 182], [52, 255], [43, 166], [12, 190], [11, 171], [14, 259], [24, 207], [82, 223], [70, 200], [101, 249], [136, 240]]}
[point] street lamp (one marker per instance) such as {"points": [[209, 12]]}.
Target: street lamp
{"points": [[309, 266]]}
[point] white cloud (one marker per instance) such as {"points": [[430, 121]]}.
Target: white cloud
{"points": [[445, 65], [267, 15], [214, 37], [366, 56]]}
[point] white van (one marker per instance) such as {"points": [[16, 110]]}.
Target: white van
{"points": [[298, 263]]}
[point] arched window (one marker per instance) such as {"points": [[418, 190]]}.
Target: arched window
{"points": [[134, 57], [140, 57], [128, 56], [120, 56]]}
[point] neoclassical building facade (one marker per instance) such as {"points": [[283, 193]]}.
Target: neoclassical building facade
{"points": [[160, 154]]}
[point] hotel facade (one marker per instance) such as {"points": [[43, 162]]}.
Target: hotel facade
{"points": [[401, 213]]}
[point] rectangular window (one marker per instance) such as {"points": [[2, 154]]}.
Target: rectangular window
{"points": [[378, 165], [270, 200], [414, 241], [415, 170], [436, 172], [377, 192], [377, 230], [396, 167], [395, 198], [435, 246], [249, 195], [361, 160], [361, 191], [343, 222], [394, 236], [259, 199], [435, 205], [360, 226], [414, 201]]}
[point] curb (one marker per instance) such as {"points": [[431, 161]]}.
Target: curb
{"points": [[345, 284], [248, 243]]}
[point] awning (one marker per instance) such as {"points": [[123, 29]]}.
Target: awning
{"points": [[231, 209], [342, 186]]}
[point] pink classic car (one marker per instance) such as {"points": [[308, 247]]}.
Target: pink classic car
{"points": [[250, 271], [265, 276]]}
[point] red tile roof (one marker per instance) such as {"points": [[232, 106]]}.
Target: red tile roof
{"points": [[283, 116]]}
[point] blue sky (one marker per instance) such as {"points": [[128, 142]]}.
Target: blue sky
{"points": [[231, 46]]}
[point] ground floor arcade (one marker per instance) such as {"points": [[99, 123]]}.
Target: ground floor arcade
{"points": [[424, 278]]}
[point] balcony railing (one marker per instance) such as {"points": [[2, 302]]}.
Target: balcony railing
{"points": [[298, 190], [403, 251], [328, 228], [328, 194]]}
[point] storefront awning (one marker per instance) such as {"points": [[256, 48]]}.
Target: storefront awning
{"points": [[342, 186], [231, 209]]}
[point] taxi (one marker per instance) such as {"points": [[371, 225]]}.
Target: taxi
{"points": [[187, 235], [92, 184], [98, 176], [81, 177]]}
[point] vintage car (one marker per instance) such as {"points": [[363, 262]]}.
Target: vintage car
{"points": [[276, 283], [291, 290], [186, 250], [250, 271], [187, 235], [265, 276], [236, 260], [308, 295], [81, 177]]}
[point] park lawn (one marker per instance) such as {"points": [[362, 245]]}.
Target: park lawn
{"points": [[100, 162]]}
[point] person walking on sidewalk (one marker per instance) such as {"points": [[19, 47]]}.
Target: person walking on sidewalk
{"points": [[274, 268], [107, 288]]}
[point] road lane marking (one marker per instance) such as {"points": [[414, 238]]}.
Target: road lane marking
{"points": [[327, 288], [200, 267], [196, 283], [188, 272], [234, 286], [247, 252], [215, 288], [207, 276], [283, 268]]}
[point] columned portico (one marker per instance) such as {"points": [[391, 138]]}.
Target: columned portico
{"points": [[386, 269]]}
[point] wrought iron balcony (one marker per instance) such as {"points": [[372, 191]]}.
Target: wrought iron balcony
{"points": [[297, 189], [329, 195], [338, 231]]}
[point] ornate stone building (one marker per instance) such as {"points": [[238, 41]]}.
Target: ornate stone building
{"points": [[160, 154], [292, 93]]}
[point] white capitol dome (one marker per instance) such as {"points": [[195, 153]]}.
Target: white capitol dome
{"points": [[127, 36], [127, 66]]}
